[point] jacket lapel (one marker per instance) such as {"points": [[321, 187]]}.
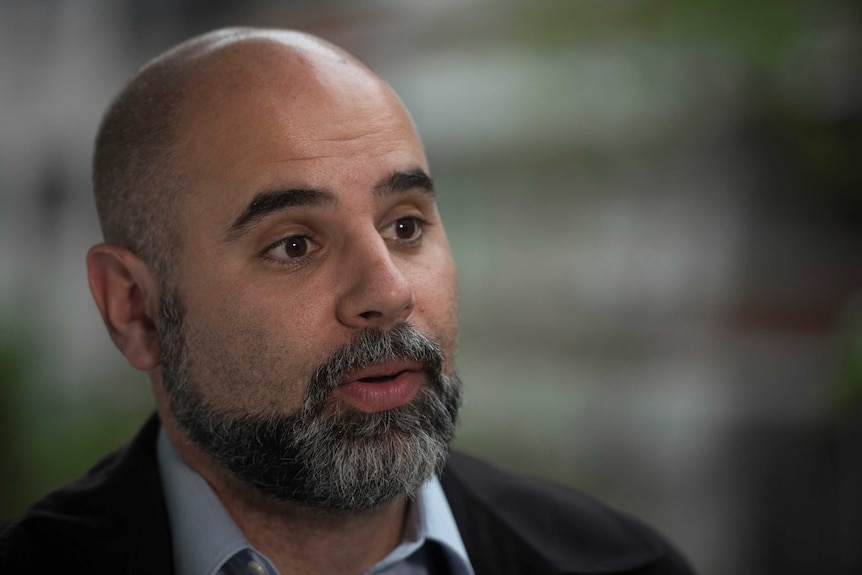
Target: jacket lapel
{"points": [[493, 548], [143, 517]]}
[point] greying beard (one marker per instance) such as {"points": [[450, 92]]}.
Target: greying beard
{"points": [[326, 455]]}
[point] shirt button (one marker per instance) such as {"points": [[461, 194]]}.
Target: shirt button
{"points": [[255, 568]]}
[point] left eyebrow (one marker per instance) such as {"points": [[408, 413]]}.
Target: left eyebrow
{"points": [[400, 182]]}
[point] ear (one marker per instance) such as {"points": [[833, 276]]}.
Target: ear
{"points": [[126, 292]]}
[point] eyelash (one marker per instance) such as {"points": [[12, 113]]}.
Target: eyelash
{"points": [[299, 261], [289, 262], [423, 225]]}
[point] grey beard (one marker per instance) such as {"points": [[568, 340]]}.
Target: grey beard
{"points": [[326, 455]]}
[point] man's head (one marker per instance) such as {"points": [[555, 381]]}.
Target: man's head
{"points": [[276, 261]]}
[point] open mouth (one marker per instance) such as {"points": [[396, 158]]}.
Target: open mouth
{"points": [[381, 378], [382, 387], [383, 372]]}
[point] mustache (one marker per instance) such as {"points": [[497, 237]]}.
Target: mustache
{"points": [[371, 346]]}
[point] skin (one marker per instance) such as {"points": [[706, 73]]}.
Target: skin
{"points": [[270, 112]]}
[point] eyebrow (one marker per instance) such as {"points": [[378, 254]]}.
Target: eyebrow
{"points": [[400, 182], [267, 203]]}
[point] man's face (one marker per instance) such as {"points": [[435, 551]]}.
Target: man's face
{"points": [[309, 230]]}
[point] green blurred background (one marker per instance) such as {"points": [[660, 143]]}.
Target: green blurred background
{"points": [[654, 207]]}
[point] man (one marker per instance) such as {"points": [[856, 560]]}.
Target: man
{"points": [[274, 259]]}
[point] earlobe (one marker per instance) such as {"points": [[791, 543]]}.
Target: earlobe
{"points": [[126, 292]]}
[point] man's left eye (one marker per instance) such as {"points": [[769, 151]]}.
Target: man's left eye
{"points": [[406, 230]]}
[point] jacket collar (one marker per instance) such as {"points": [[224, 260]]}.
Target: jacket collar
{"points": [[513, 525]]}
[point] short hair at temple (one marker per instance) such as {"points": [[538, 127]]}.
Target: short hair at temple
{"points": [[136, 178]]}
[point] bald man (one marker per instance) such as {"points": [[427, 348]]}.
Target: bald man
{"points": [[275, 261]]}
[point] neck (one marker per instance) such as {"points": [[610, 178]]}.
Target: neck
{"points": [[298, 538]]}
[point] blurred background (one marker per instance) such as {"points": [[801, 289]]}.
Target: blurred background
{"points": [[654, 207]]}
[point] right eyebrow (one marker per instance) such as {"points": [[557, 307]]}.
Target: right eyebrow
{"points": [[267, 203]]}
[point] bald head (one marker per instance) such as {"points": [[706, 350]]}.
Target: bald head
{"points": [[140, 167]]}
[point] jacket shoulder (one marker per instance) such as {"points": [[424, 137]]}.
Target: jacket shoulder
{"points": [[106, 521], [570, 531], [56, 532]]}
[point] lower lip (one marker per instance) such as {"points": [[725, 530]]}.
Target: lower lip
{"points": [[381, 396]]}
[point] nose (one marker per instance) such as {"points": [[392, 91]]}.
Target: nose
{"points": [[378, 294]]}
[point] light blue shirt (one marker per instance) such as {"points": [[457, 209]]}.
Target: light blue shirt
{"points": [[205, 537]]}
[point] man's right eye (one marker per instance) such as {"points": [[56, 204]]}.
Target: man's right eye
{"points": [[290, 249]]}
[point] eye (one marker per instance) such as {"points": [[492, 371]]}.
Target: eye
{"points": [[295, 246], [291, 249], [406, 230]]}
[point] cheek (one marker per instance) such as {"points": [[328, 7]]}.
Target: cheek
{"points": [[247, 360], [258, 316], [437, 309]]}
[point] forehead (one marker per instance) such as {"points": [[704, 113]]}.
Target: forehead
{"points": [[261, 115]]}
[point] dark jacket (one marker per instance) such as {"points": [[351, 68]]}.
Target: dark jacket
{"points": [[113, 520]]}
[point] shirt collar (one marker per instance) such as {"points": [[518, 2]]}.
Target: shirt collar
{"points": [[204, 534]]}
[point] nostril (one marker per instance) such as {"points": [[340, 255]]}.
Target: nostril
{"points": [[370, 314]]}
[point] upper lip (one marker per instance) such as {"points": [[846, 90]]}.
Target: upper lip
{"points": [[386, 369]]}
